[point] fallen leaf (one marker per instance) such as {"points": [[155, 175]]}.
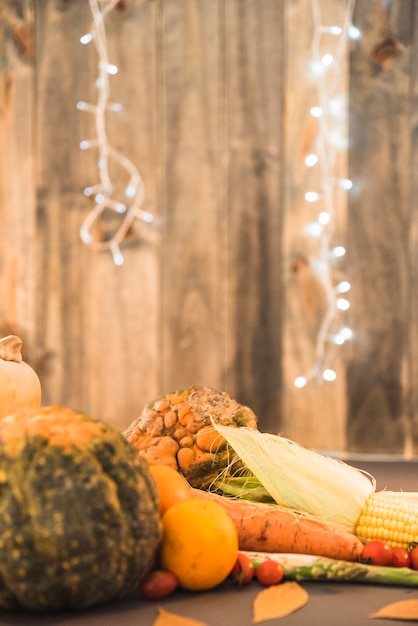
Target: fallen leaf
{"points": [[405, 609], [166, 618], [278, 601]]}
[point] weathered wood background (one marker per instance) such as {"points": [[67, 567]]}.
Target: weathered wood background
{"points": [[222, 289]]}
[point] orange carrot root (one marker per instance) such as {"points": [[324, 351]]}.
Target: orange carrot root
{"points": [[264, 528]]}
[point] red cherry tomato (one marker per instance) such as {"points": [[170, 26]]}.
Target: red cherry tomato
{"points": [[270, 572], [376, 552], [400, 558], [414, 557], [243, 571], [157, 584]]}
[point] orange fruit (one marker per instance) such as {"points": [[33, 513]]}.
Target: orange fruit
{"points": [[199, 545], [171, 485]]}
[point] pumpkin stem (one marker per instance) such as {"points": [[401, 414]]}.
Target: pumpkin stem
{"points": [[11, 348]]}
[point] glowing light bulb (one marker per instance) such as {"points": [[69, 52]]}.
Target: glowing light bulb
{"points": [[354, 33], [343, 304], [338, 251], [311, 196], [130, 191], [346, 183], [147, 217], [327, 60], [311, 160], [329, 375], [336, 107], [85, 39], [338, 140], [314, 229], [300, 382], [112, 69], [316, 111], [346, 332], [85, 236], [317, 69], [116, 253], [324, 218], [343, 286]]}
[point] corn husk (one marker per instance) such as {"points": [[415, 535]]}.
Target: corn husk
{"points": [[301, 479]]}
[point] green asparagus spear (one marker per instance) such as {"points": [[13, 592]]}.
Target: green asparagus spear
{"points": [[302, 567]]}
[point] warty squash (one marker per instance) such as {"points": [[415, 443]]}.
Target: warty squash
{"points": [[20, 387], [79, 511], [177, 430]]}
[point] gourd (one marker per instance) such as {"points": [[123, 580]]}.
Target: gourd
{"points": [[177, 430], [20, 387], [79, 511]]}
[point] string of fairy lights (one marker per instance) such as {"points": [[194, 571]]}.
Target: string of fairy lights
{"points": [[103, 192], [326, 72]]}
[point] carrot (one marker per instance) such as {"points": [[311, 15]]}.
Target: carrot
{"points": [[266, 528]]}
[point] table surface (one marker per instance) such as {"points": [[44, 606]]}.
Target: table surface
{"points": [[329, 603]]}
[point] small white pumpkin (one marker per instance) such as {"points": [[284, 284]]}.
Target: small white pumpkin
{"points": [[20, 387]]}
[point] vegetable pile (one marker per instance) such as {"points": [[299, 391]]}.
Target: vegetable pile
{"points": [[88, 514]]}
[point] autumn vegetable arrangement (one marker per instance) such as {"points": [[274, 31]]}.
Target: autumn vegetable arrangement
{"points": [[89, 514], [316, 516]]}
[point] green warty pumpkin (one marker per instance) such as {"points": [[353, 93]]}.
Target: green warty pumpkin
{"points": [[79, 516]]}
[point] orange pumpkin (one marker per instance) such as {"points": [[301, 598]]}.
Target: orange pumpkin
{"points": [[20, 387]]}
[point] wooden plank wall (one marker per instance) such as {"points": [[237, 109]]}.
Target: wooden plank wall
{"points": [[381, 370], [216, 100]]}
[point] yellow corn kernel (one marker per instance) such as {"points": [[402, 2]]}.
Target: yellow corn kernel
{"points": [[390, 518]]}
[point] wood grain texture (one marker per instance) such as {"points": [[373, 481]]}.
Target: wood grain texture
{"points": [[98, 322], [192, 294], [18, 235], [379, 366], [254, 84], [224, 289]]}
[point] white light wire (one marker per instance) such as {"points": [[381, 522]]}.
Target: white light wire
{"points": [[103, 191]]}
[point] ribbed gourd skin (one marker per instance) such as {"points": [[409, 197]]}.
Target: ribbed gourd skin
{"points": [[79, 515], [392, 520]]}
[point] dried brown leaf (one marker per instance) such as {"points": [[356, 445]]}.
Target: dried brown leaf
{"points": [[404, 609], [166, 618], [278, 601]]}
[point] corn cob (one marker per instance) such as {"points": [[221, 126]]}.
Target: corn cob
{"points": [[391, 517]]}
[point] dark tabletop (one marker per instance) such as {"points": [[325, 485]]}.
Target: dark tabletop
{"points": [[330, 604]]}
